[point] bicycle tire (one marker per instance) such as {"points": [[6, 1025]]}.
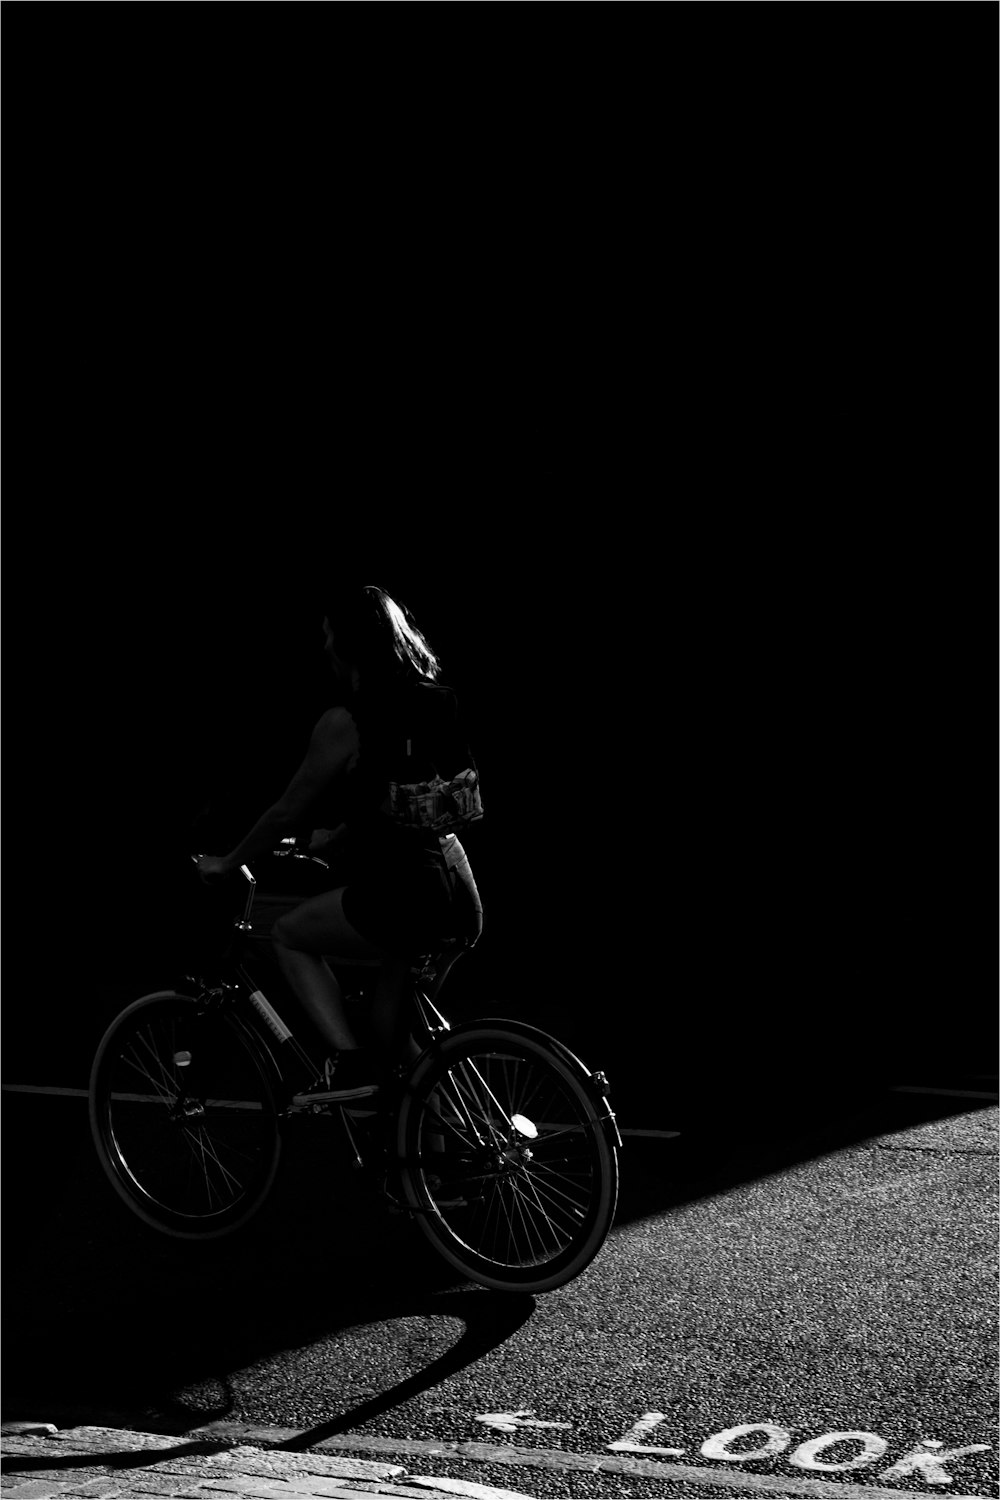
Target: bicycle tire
{"points": [[184, 1115], [508, 1157]]}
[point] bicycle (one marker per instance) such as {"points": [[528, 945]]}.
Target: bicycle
{"points": [[495, 1137]]}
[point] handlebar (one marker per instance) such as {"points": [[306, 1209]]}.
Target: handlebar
{"points": [[288, 850], [244, 870], [244, 923]]}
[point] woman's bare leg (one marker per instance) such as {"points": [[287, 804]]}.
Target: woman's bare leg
{"points": [[300, 938], [320, 995], [387, 1017]]}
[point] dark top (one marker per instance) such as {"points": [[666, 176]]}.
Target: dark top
{"points": [[404, 888], [409, 735]]}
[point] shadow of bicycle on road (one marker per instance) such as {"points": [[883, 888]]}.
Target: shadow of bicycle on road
{"points": [[107, 1323]]}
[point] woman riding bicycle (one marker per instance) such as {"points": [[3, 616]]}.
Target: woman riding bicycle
{"points": [[388, 770]]}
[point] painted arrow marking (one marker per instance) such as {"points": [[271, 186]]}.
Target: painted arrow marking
{"points": [[510, 1421]]}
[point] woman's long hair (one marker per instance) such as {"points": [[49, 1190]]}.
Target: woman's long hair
{"points": [[378, 635]]}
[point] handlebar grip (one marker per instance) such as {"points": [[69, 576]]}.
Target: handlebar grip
{"points": [[243, 869]]}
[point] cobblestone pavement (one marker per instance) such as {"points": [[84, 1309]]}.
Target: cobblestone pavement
{"points": [[105, 1463]]}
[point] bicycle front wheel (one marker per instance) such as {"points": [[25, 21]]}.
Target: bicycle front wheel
{"points": [[508, 1159], [184, 1116]]}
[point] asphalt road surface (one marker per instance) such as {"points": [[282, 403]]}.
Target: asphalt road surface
{"points": [[815, 1317]]}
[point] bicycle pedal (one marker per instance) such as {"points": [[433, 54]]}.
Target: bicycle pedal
{"points": [[308, 1107], [336, 1096]]}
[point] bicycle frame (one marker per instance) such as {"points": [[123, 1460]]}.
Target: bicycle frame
{"points": [[429, 972], [497, 1140]]}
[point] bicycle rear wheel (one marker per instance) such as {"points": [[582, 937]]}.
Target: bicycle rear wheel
{"points": [[508, 1157], [184, 1116]]}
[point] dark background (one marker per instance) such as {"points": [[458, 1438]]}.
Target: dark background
{"points": [[670, 435]]}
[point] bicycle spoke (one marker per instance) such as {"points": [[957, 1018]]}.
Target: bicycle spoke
{"points": [[526, 1104], [435, 1116], [559, 1203], [196, 1146], [167, 1084], [459, 1105], [492, 1097], [531, 1202], [465, 1078], [487, 1214], [551, 1181], [506, 1214], [536, 1253], [187, 1164], [541, 1222], [205, 1152], [462, 1081]]}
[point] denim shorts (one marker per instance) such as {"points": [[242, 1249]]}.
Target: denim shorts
{"points": [[408, 906]]}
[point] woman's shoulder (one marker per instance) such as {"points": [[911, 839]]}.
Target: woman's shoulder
{"points": [[335, 737], [335, 724]]}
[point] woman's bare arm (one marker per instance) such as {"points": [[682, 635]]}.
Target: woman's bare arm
{"points": [[332, 748]]}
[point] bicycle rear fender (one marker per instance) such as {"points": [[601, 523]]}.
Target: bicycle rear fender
{"points": [[595, 1083]]}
